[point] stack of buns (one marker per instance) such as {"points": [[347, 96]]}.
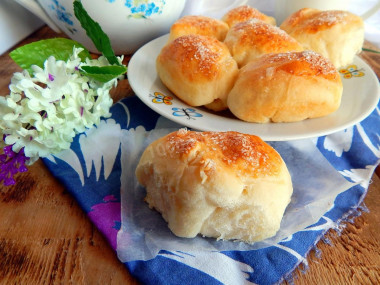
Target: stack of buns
{"points": [[229, 185], [224, 64]]}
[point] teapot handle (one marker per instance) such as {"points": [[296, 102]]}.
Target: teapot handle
{"points": [[371, 11], [36, 9]]}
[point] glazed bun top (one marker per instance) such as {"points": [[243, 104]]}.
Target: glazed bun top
{"points": [[244, 154], [308, 20], [253, 38], [305, 63]]}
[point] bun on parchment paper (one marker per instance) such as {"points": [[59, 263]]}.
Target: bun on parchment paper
{"points": [[198, 25], [337, 35], [199, 70], [251, 39], [225, 185], [286, 87], [244, 13]]}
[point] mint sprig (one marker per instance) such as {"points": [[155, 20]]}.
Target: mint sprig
{"points": [[37, 52], [104, 73], [95, 33]]}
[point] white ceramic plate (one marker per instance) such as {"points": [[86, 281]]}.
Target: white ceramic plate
{"points": [[360, 97]]}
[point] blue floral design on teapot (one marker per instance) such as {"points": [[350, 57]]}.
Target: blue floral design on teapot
{"points": [[61, 12], [143, 8]]}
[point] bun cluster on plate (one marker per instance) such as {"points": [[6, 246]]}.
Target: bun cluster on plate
{"points": [[225, 185], [205, 58]]}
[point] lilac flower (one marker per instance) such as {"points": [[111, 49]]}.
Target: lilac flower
{"points": [[10, 164]]}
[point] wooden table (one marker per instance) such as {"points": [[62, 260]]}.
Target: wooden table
{"points": [[45, 238]]}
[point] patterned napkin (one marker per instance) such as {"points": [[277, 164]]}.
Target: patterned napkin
{"points": [[91, 172]]}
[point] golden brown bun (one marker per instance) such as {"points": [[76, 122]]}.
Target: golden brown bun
{"points": [[286, 87], [337, 35], [225, 185], [199, 25], [251, 39], [244, 13], [198, 70]]}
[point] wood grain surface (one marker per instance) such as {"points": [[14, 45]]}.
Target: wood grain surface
{"points": [[45, 238]]}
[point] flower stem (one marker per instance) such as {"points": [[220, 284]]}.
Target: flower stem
{"points": [[371, 50]]}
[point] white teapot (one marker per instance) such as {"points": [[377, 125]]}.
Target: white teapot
{"points": [[128, 23]]}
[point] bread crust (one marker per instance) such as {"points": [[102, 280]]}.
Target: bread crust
{"points": [[225, 185], [198, 25], [253, 38], [286, 87], [244, 13]]}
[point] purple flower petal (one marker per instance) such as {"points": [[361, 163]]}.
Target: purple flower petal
{"points": [[9, 181], [10, 164], [22, 168], [3, 157]]}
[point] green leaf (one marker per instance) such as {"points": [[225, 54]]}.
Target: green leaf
{"points": [[37, 52], [104, 73], [95, 33]]}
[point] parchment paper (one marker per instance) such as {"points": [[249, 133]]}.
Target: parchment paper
{"points": [[144, 232]]}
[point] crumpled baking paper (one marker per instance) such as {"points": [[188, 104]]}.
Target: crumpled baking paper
{"points": [[144, 232]]}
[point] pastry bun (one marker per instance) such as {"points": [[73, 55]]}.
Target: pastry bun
{"points": [[286, 87], [244, 13], [337, 35], [199, 25], [251, 39], [198, 69], [225, 185]]}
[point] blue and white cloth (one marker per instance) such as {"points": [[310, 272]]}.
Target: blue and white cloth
{"points": [[91, 172]]}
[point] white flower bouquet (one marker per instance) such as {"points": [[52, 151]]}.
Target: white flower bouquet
{"points": [[61, 92]]}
